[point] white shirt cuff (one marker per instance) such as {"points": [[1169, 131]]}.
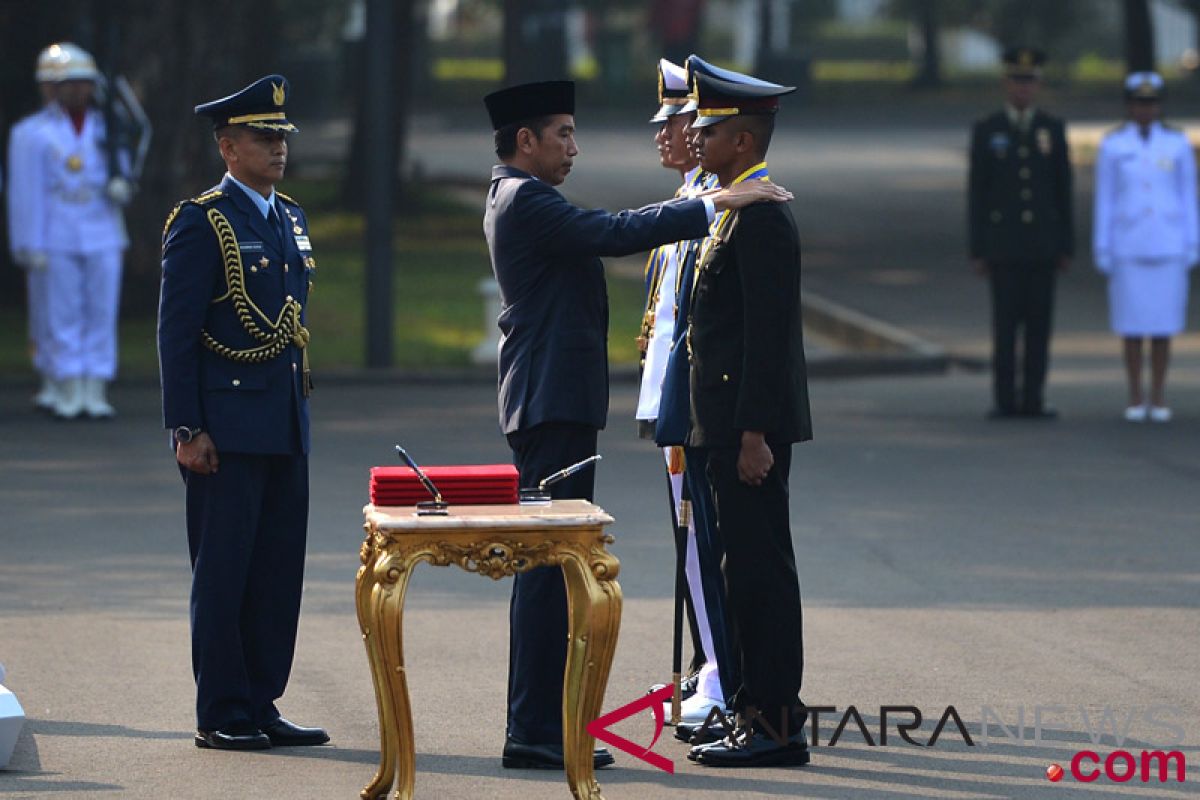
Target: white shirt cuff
{"points": [[709, 208]]}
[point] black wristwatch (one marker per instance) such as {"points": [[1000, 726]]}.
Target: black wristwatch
{"points": [[184, 434]]}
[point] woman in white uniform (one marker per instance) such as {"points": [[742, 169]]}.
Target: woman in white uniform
{"points": [[1146, 237]]}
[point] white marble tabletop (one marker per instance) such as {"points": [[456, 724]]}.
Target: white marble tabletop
{"points": [[556, 514]]}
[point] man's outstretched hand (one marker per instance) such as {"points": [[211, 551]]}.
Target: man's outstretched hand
{"points": [[743, 194]]}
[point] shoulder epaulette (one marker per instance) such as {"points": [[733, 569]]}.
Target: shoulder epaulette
{"points": [[199, 200], [207, 197], [285, 198]]}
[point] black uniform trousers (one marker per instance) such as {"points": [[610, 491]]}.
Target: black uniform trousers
{"points": [[537, 636], [1022, 297], [711, 552], [247, 527], [762, 586]]}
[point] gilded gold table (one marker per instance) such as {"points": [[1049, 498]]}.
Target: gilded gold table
{"points": [[495, 541]]}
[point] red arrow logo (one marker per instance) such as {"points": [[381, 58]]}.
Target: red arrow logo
{"points": [[654, 701]]}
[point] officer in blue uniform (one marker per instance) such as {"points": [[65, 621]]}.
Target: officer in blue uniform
{"points": [[237, 265], [553, 360]]}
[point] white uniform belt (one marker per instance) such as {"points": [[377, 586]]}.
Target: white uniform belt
{"points": [[81, 195]]}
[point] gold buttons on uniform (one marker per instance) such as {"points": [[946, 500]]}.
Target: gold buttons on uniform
{"points": [[725, 379], [1024, 173], [236, 382], [1026, 216], [1026, 194], [1023, 151], [288, 298]]}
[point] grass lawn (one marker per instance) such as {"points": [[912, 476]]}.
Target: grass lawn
{"points": [[440, 257]]}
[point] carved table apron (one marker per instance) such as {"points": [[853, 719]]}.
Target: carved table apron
{"points": [[495, 541]]}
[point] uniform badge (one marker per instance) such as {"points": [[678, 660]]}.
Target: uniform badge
{"points": [[1043, 141], [74, 163], [999, 144], [303, 244]]}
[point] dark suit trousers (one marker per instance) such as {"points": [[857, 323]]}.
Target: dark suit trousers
{"points": [[762, 586], [537, 654], [1022, 297], [711, 552], [247, 526]]}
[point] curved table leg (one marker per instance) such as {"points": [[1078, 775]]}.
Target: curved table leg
{"points": [[382, 585], [594, 613]]}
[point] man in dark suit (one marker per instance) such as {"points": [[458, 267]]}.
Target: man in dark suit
{"points": [[1021, 230], [553, 360], [232, 353], [749, 398]]}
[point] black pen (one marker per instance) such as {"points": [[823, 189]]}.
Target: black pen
{"points": [[567, 472], [429, 487]]}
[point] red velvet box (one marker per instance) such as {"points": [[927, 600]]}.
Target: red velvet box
{"points": [[466, 484]]}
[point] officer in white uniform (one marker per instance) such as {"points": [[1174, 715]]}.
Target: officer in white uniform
{"points": [[50, 63], [654, 342], [74, 226], [1146, 237]]}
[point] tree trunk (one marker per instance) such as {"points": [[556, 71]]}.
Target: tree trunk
{"points": [[535, 43], [929, 73], [406, 29], [1139, 36]]}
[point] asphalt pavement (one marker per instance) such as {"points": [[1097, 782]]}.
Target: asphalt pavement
{"points": [[945, 560]]}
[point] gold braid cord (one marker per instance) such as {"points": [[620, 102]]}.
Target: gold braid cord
{"points": [[278, 333]]}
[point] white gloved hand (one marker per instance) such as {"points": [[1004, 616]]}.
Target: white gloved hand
{"points": [[119, 190], [34, 260]]}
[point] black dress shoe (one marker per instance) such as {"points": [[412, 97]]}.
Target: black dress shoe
{"points": [[747, 748], [1001, 413], [704, 734], [286, 734], [233, 739], [1040, 412], [519, 755]]}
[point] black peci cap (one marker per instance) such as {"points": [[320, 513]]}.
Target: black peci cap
{"points": [[530, 101]]}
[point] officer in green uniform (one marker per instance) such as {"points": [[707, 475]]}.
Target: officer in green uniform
{"points": [[1020, 230]]}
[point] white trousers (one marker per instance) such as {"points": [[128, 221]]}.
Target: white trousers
{"points": [[83, 298], [37, 282], [710, 676]]}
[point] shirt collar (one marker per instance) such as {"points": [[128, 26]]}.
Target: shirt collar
{"points": [[263, 204], [1017, 117]]}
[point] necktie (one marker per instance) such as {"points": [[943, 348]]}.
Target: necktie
{"points": [[273, 216]]}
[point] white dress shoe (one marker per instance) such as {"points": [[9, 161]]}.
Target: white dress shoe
{"points": [[95, 403], [695, 709], [70, 399], [1160, 414], [47, 395], [1135, 414]]}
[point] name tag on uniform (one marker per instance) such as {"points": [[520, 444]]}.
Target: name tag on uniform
{"points": [[250, 247], [303, 244]]}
